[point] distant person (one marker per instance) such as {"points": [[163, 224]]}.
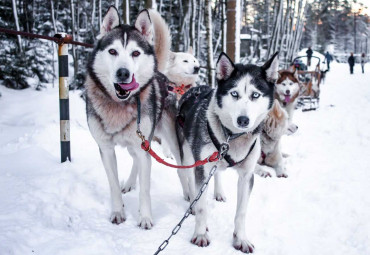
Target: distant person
{"points": [[309, 53], [363, 61], [328, 59], [351, 62]]}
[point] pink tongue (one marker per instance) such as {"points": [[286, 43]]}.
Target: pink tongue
{"points": [[129, 86], [287, 99]]}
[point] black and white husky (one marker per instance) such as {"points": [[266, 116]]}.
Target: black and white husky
{"points": [[123, 68], [234, 111]]}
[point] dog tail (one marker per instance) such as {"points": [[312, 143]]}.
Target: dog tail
{"points": [[162, 39]]}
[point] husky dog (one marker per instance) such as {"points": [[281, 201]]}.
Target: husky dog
{"points": [[121, 70], [181, 68], [275, 126], [287, 90], [232, 112]]}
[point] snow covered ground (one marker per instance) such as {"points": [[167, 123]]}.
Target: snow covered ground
{"points": [[52, 208]]}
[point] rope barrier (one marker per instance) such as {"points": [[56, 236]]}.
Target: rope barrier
{"points": [[59, 40]]}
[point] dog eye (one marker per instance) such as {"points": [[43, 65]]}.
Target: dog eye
{"points": [[113, 52], [255, 95], [234, 94], [185, 61], [136, 53]]}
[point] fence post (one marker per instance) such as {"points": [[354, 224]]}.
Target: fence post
{"points": [[65, 146]]}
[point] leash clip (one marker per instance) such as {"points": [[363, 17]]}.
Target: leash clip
{"points": [[223, 150], [140, 135]]}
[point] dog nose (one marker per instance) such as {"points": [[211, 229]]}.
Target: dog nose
{"points": [[243, 121], [288, 92], [196, 69], [122, 74]]}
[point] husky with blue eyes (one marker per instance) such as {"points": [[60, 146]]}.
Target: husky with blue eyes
{"points": [[234, 111]]}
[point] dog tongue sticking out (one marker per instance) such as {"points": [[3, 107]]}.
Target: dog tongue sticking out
{"points": [[287, 98], [129, 86]]}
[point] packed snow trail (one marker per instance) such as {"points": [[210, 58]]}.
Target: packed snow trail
{"points": [[323, 207]]}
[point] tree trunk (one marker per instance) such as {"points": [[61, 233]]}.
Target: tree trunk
{"points": [[53, 16], [73, 36], [233, 30], [223, 24], [208, 19], [17, 24], [126, 11], [200, 5], [192, 24], [149, 4], [100, 15]]}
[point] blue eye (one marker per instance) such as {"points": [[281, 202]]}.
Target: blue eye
{"points": [[255, 95], [234, 94]]}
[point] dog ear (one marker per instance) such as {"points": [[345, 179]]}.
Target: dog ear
{"points": [[271, 68], [110, 21], [190, 50], [144, 25], [172, 57], [277, 110], [224, 67]]}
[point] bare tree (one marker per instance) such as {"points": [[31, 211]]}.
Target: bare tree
{"points": [[126, 11], [17, 24], [208, 14]]}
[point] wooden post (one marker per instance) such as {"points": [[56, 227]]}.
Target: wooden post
{"points": [[65, 146]]}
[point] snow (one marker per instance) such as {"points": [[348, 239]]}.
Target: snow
{"points": [[53, 208]]}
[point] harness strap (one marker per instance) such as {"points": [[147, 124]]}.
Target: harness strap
{"points": [[227, 157]]}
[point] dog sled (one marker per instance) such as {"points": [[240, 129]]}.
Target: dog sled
{"points": [[309, 84]]}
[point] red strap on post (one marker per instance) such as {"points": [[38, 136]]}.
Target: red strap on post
{"points": [[146, 147]]}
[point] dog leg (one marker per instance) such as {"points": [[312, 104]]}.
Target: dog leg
{"points": [[108, 157], [200, 237], [131, 181], [145, 209], [219, 191], [245, 185]]}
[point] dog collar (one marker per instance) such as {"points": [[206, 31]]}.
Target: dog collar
{"points": [[231, 162]]}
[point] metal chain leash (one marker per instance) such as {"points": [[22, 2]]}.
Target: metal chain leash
{"points": [[223, 150]]}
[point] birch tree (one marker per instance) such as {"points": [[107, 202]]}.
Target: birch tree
{"points": [[15, 14], [208, 14]]}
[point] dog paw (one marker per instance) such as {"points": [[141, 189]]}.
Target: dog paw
{"points": [[282, 175], [220, 197], [201, 240], [167, 153], [243, 245], [145, 223], [118, 217], [262, 173], [292, 129], [187, 196], [128, 187]]}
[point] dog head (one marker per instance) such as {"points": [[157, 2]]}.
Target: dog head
{"points": [[183, 67], [287, 86], [123, 59], [276, 122], [244, 93]]}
